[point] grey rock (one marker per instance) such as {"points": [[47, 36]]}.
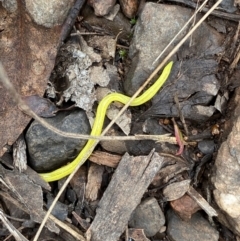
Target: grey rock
{"points": [[176, 190], [29, 224], [152, 34], [152, 126], [48, 13], [60, 210], [195, 88], [10, 5], [114, 146], [228, 6], [197, 229], [71, 195], [143, 147], [226, 176], [112, 27], [206, 146], [218, 24], [148, 216], [102, 7], [47, 150]]}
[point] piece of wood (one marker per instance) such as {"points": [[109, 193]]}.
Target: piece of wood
{"points": [[94, 181], [201, 202], [104, 158], [129, 182]]}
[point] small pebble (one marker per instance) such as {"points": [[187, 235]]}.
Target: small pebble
{"points": [[206, 146], [197, 229], [148, 216]]}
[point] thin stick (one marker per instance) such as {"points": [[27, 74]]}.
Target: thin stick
{"points": [[8, 85], [122, 46], [161, 65], [184, 26], [10, 235], [235, 62], [85, 33], [15, 233], [216, 13], [121, 111], [64, 226], [194, 21], [201, 202], [236, 49], [235, 39]]}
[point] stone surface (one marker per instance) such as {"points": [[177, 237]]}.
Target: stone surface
{"points": [[148, 216], [194, 82], [228, 6], [206, 146], [226, 176], [102, 7], [119, 23], [49, 13], [152, 34], [176, 190], [114, 146], [10, 5], [60, 210], [47, 150], [197, 229], [151, 127], [129, 8]]}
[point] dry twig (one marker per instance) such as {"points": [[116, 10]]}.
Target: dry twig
{"points": [[201, 202], [217, 13], [61, 224], [15, 233], [10, 88]]}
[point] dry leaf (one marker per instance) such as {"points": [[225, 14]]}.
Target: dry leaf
{"points": [[221, 101], [124, 121], [28, 193], [34, 176], [27, 53], [95, 57], [106, 44], [99, 76], [41, 106], [81, 88]]}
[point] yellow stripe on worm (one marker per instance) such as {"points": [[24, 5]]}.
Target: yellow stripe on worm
{"points": [[98, 123]]}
